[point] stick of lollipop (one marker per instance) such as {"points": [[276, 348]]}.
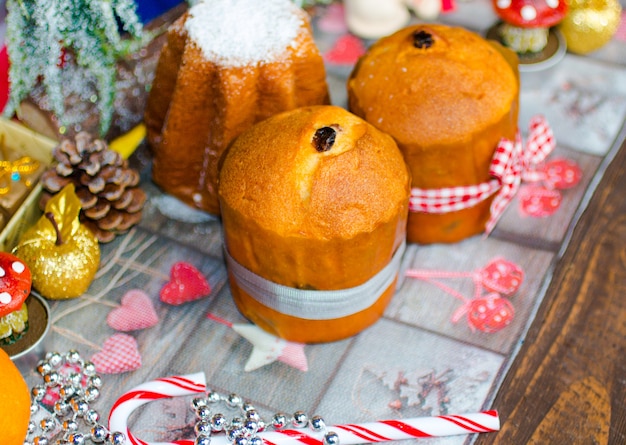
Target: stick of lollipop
{"points": [[348, 434]]}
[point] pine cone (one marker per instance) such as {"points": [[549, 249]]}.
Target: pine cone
{"points": [[107, 187]]}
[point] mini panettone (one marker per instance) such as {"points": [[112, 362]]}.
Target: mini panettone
{"points": [[226, 65], [314, 205], [447, 96]]}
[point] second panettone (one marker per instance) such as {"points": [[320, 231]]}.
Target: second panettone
{"points": [[447, 96], [225, 66], [314, 205]]}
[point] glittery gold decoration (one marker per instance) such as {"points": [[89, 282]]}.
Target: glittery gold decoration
{"points": [[15, 170], [62, 254], [590, 24]]}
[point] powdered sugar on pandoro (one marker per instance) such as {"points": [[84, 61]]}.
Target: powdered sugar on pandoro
{"points": [[242, 32]]}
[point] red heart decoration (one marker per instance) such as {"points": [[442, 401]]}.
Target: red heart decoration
{"points": [[187, 284], [346, 50], [538, 201], [119, 354], [562, 173], [501, 276], [136, 312], [490, 313]]}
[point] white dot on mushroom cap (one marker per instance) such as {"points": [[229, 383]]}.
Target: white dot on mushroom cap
{"points": [[2, 272], [503, 4], [552, 3], [5, 298], [18, 267], [528, 12]]}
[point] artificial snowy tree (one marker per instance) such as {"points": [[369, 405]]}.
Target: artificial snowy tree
{"points": [[69, 46]]}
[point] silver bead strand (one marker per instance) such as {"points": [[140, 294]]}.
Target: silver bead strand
{"points": [[318, 425], [331, 438], [244, 429], [300, 419], [76, 385]]}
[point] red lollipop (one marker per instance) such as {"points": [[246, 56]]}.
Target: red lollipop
{"points": [[502, 276], [490, 313], [539, 201], [562, 173]]}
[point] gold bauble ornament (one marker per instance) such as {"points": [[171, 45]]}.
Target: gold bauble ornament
{"points": [[590, 24], [63, 255]]}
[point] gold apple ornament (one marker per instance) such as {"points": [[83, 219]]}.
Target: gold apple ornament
{"points": [[62, 254], [590, 24]]}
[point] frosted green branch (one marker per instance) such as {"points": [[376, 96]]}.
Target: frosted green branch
{"points": [[40, 32]]}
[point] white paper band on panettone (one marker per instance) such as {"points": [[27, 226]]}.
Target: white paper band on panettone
{"points": [[315, 304]]}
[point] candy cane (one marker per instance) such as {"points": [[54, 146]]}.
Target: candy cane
{"points": [[348, 434], [165, 388]]}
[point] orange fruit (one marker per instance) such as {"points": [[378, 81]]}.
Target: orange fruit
{"points": [[14, 402]]}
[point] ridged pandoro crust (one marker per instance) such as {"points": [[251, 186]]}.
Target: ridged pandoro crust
{"points": [[313, 220], [447, 105], [197, 105]]}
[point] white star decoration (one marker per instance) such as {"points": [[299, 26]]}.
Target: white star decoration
{"points": [[267, 349]]}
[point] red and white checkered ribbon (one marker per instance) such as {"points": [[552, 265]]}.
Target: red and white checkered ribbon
{"points": [[510, 162]]}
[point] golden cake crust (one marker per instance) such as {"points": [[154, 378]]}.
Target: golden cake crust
{"points": [[197, 106], [447, 105], [313, 220]]}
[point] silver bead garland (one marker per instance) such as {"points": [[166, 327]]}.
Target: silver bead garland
{"points": [[243, 429], [74, 382]]}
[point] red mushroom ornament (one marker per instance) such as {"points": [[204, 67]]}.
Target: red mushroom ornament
{"points": [[15, 284], [527, 23]]}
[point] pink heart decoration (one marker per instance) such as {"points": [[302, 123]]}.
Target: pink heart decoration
{"points": [[501, 276], [538, 201], [187, 284], [119, 354], [136, 312]]}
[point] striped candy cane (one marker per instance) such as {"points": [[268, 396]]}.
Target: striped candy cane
{"points": [[348, 434], [165, 388]]}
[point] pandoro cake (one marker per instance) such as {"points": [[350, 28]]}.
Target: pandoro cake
{"points": [[447, 96], [314, 206], [226, 64]]}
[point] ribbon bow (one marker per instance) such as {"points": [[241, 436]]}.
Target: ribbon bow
{"points": [[511, 161]]}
